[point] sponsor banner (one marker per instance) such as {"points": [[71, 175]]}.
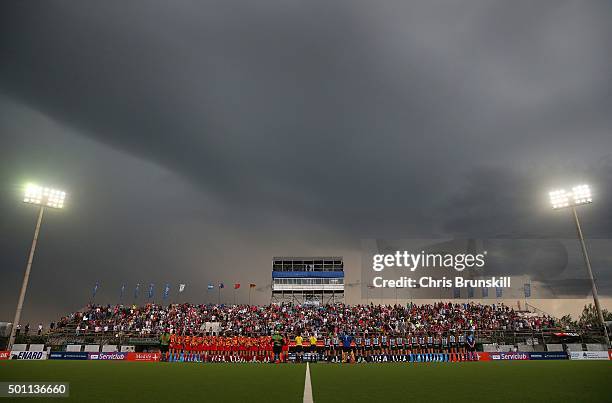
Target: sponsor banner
{"points": [[108, 356], [143, 356], [565, 334], [5, 355], [68, 355], [509, 356], [307, 357], [589, 355], [548, 355], [28, 355], [483, 356]]}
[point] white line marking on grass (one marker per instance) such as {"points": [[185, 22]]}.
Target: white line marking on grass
{"points": [[307, 387]]}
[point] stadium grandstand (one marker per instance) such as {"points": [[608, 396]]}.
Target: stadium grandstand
{"points": [[441, 327], [308, 280]]}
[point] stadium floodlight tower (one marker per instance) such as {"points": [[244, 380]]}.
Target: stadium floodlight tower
{"points": [[41, 197], [579, 196]]}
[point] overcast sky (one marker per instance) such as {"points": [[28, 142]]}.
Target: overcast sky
{"points": [[197, 140]]}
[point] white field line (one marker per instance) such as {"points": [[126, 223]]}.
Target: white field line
{"points": [[307, 387]]}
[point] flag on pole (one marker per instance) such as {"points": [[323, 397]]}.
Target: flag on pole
{"points": [[151, 290], [236, 286], [137, 291], [485, 292], [499, 292], [211, 286], [251, 286], [181, 287], [166, 291], [527, 290], [221, 285], [122, 291], [95, 289]]}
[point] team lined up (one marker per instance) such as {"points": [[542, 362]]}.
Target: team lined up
{"points": [[201, 348], [332, 348]]}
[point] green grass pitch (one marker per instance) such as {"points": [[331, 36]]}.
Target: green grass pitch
{"points": [[109, 381], [511, 381], [535, 381]]}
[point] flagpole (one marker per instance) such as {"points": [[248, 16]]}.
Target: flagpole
{"points": [[95, 291], [250, 288], [219, 300], [525, 290]]}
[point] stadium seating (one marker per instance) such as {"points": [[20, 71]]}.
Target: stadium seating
{"points": [[211, 327], [438, 318], [596, 347]]}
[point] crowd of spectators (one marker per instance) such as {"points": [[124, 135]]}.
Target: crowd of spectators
{"points": [[251, 320]]}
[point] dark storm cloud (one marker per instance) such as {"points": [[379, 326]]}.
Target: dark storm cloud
{"points": [[361, 119]]}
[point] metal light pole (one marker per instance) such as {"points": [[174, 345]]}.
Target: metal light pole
{"points": [[578, 196], [43, 197], [587, 263]]}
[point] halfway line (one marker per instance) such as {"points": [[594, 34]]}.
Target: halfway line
{"points": [[307, 387]]}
